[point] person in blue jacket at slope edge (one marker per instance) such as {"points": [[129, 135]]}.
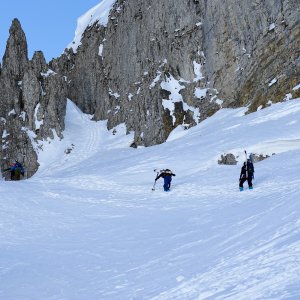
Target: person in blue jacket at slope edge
{"points": [[16, 170], [167, 176]]}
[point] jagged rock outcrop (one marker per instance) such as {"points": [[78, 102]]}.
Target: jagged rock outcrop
{"points": [[231, 159], [156, 65], [33, 102], [227, 159]]}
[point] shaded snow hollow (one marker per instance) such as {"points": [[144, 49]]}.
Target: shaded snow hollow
{"points": [[88, 225]]}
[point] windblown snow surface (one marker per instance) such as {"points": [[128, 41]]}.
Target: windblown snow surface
{"points": [[88, 226]]}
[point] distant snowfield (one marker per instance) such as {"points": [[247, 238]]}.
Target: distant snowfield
{"points": [[88, 226]]}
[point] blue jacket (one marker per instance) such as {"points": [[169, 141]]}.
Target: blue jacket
{"points": [[167, 176], [16, 166]]}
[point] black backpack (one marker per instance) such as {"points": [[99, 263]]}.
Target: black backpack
{"points": [[250, 167]]}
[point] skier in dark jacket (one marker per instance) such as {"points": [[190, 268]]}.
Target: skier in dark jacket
{"points": [[167, 176], [16, 170], [247, 172]]}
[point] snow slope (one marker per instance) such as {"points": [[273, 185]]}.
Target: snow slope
{"points": [[88, 226]]}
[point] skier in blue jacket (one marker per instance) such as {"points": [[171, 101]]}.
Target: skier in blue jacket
{"points": [[16, 170], [167, 176]]}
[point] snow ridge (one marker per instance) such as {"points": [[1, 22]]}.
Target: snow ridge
{"points": [[99, 14]]}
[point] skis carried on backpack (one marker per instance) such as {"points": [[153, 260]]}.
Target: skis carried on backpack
{"points": [[251, 160], [246, 164]]}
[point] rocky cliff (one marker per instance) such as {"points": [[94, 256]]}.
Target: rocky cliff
{"points": [[153, 66], [164, 63], [33, 102]]}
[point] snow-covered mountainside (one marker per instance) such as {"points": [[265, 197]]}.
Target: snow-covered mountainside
{"points": [[88, 226], [151, 65]]}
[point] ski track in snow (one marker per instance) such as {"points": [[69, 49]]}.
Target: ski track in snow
{"points": [[88, 226], [88, 141]]}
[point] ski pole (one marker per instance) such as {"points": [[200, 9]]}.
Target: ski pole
{"points": [[155, 170], [153, 189]]}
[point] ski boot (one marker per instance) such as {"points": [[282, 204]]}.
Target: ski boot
{"points": [[241, 189]]}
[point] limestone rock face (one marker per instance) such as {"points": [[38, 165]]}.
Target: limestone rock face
{"points": [[33, 102], [159, 64], [252, 50], [16, 48]]}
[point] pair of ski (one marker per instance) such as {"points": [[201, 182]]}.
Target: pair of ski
{"points": [[251, 160]]}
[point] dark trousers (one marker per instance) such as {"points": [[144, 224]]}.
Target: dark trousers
{"points": [[249, 179], [167, 184]]}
